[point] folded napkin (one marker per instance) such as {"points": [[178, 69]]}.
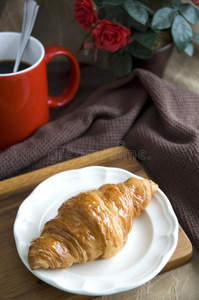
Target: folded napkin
{"points": [[153, 118]]}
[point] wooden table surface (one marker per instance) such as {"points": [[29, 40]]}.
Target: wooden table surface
{"points": [[16, 282]]}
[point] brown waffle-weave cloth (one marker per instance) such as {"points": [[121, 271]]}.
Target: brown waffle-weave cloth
{"points": [[155, 119]]}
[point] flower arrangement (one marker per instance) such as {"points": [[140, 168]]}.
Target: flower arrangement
{"points": [[134, 28]]}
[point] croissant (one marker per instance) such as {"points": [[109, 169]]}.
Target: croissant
{"points": [[90, 225]]}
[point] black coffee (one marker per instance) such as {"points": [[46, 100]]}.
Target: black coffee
{"points": [[6, 66]]}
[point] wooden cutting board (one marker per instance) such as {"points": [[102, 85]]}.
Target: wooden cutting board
{"points": [[16, 282]]}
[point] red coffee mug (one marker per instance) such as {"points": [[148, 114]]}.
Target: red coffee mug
{"points": [[24, 99]]}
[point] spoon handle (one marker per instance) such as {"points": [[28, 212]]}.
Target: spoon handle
{"points": [[29, 17]]}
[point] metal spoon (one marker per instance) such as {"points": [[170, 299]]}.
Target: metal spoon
{"points": [[29, 17]]}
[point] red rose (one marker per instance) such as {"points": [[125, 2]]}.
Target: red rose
{"points": [[85, 14], [110, 36]]}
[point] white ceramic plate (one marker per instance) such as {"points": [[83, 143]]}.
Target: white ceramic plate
{"points": [[149, 245]]}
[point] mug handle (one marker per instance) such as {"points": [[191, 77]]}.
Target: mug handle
{"points": [[73, 82]]}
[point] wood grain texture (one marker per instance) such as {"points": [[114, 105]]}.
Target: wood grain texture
{"points": [[16, 282]]}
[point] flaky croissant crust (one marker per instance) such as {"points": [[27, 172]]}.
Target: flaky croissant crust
{"points": [[92, 224]]}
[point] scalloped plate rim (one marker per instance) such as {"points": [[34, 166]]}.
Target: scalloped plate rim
{"points": [[114, 286]]}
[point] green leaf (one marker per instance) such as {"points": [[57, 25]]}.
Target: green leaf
{"points": [[139, 51], [96, 2], [147, 39], [122, 18], [101, 14], [163, 18], [144, 1], [189, 12], [121, 64], [177, 2], [189, 49], [136, 10], [113, 2], [136, 25], [181, 32], [195, 37]]}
